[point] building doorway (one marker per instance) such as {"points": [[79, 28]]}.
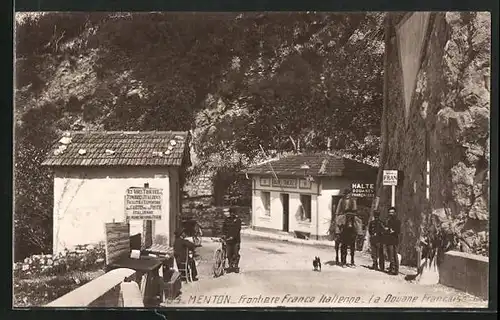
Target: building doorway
{"points": [[285, 202]]}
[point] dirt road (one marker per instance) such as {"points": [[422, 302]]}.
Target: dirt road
{"points": [[275, 273]]}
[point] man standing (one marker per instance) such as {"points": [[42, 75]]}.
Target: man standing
{"points": [[345, 203], [231, 230], [393, 228], [376, 231]]}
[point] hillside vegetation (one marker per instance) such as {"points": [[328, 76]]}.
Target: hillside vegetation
{"points": [[285, 81]]}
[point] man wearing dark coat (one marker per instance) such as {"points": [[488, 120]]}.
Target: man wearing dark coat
{"points": [[376, 230], [181, 248], [231, 230], [392, 231]]}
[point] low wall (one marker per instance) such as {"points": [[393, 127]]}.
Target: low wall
{"points": [[466, 272], [104, 291]]}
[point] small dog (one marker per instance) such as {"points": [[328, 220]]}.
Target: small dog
{"points": [[317, 264]]}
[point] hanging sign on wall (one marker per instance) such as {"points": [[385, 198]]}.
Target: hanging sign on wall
{"points": [[144, 203]]}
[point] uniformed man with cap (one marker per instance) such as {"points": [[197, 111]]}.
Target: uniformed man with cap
{"points": [[231, 230], [393, 229], [376, 229]]}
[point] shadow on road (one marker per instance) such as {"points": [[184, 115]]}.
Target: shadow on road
{"points": [[269, 250]]}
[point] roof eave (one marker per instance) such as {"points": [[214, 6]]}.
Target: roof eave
{"points": [[111, 165]]}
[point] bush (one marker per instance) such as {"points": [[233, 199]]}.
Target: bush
{"points": [[82, 258], [42, 290], [40, 279]]}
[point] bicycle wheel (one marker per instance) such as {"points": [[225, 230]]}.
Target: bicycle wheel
{"points": [[189, 273], [218, 263]]}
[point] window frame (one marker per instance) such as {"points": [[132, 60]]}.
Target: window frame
{"points": [[305, 210], [266, 195]]}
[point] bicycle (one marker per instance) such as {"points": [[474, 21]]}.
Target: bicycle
{"points": [[220, 259]]}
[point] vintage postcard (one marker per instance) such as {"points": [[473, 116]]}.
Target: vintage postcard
{"points": [[254, 159]]}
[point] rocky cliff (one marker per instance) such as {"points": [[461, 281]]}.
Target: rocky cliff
{"points": [[447, 123]]}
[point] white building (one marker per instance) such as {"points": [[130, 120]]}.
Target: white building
{"points": [[306, 192], [99, 177]]}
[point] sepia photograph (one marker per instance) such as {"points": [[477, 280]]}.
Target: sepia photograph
{"points": [[251, 160]]}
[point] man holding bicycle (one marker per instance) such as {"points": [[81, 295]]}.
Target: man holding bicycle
{"points": [[231, 231]]}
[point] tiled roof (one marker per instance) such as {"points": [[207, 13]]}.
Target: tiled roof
{"points": [[123, 148], [320, 164]]}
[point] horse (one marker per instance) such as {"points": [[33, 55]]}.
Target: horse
{"points": [[344, 236]]}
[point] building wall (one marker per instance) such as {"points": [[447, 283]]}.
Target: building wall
{"points": [[86, 198], [275, 220], [321, 205], [451, 107]]}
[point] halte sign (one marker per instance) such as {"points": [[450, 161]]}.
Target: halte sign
{"points": [[363, 190], [390, 178], [143, 203]]}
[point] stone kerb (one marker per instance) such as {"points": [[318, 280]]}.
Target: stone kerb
{"points": [[103, 291], [466, 272]]}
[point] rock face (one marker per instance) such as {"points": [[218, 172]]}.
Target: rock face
{"points": [[450, 110]]}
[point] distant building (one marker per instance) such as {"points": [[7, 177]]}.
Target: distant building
{"points": [[101, 176], [306, 192]]}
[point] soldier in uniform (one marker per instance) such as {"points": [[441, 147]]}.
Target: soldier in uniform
{"points": [[393, 228], [231, 230], [376, 230]]}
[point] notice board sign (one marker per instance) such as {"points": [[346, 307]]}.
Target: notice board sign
{"points": [[285, 183], [390, 178], [305, 184], [363, 190], [143, 203]]}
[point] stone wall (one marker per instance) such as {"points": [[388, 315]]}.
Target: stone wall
{"points": [[466, 272], [450, 108], [211, 217]]}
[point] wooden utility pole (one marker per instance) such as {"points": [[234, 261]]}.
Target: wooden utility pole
{"points": [[147, 230]]}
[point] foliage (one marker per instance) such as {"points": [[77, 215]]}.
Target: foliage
{"points": [[40, 279], [238, 81], [83, 258]]}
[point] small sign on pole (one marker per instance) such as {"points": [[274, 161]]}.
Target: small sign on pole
{"points": [[390, 178]]}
